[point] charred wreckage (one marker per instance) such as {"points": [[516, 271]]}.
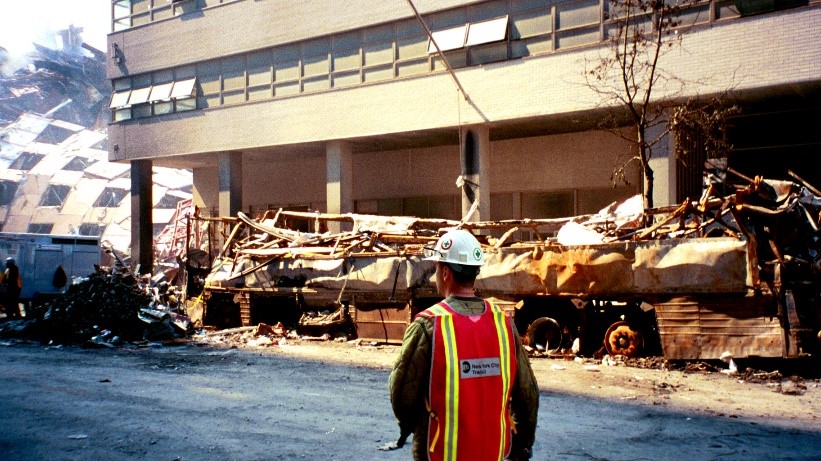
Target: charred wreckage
{"points": [[726, 274]]}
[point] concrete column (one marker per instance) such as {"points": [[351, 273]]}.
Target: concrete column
{"points": [[230, 183], [663, 164], [339, 180], [475, 163], [142, 222]]}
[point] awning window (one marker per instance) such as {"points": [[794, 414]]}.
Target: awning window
{"points": [[120, 99], [494, 30], [161, 92], [183, 88], [448, 39], [139, 96]]}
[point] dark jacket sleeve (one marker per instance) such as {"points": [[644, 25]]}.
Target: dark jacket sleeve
{"points": [[524, 404], [410, 376]]}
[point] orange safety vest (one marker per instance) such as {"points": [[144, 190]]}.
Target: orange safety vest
{"points": [[471, 378]]}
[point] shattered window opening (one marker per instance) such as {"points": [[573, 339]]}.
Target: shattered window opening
{"points": [[40, 228], [55, 195], [26, 161], [90, 229], [168, 202], [78, 164], [7, 191], [110, 197]]}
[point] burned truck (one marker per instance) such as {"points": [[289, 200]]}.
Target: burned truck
{"points": [[735, 274]]}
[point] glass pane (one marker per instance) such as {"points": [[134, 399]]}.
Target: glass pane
{"points": [[140, 95], [531, 24], [726, 10], [578, 14], [260, 92], [233, 80], [159, 92], [379, 53], [412, 47], [377, 34], [163, 13], [122, 24], [233, 97], [488, 53], [260, 59], [448, 19], [315, 47], [121, 84], [187, 104], [287, 88], [346, 79], [456, 59], [209, 84], [259, 76], [408, 28], [183, 88], [140, 19], [141, 111], [122, 8], [140, 6], [487, 31], [417, 66], [315, 83], [315, 65], [547, 205], [122, 114], [346, 41], [163, 76], [286, 70], [487, 10], [161, 108], [694, 15], [347, 59], [448, 39], [120, 99], [372, 74], [185, 72], [578, 37], [522, 5], [531, 46], [141, 80]]}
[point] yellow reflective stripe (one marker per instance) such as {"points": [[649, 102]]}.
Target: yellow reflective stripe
{"points": [[504, 354], [451, 387]]}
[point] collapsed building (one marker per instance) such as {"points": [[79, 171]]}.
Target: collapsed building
{"points": [[55, 177]]}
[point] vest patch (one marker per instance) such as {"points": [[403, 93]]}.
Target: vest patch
{"points": [[479, 368]]}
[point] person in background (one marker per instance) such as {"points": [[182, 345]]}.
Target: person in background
{"points": [[462, 383], [12, 285]]}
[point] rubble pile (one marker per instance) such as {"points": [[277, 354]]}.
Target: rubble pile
{"points": [[108, 308]]}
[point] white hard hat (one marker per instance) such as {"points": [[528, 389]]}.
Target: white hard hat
{"points": [[456, 247]]}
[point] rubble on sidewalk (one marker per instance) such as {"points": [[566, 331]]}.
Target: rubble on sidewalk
{"points": [[110, 307]]}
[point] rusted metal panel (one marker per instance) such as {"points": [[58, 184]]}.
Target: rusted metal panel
{"points": [[706, 327], [719, 265], [385, 323]]}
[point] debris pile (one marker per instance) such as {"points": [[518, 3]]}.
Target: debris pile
{"points": [[108, 308]]}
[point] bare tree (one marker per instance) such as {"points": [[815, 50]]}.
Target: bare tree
{"points": [[639, 33]]}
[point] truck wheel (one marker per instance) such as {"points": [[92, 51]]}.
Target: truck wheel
{"points": [[544, 334], [622, 339]]}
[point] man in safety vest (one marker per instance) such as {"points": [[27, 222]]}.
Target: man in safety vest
{"points": [[462, 383]]}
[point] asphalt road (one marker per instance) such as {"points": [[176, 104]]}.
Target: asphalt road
{"points": [[200, 403]]}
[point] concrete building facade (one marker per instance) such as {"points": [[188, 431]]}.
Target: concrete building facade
{"points": [[349, 107]]}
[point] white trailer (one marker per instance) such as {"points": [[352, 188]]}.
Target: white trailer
{"points": [[39, 257]]}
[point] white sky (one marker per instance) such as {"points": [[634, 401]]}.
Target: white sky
{"points": [[25, 21]]}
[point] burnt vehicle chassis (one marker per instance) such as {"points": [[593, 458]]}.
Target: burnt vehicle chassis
{"points": [[735, 274]]}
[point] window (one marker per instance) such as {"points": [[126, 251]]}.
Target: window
{"points": [[168, 201], [26, 161], [78, 164], [7, 191], [491, 31], [91, 229], [110, 197], [55, 195], [40, 228]]}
